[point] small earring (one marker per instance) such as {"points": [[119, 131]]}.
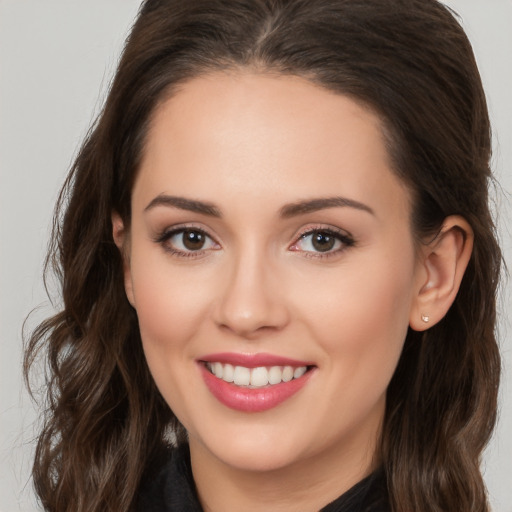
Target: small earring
{"points": [[425, 318]]}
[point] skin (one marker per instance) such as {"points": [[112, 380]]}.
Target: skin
{"points": [[250, 144]]}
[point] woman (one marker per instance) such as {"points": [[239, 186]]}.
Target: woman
{"points": [[276, 252]]}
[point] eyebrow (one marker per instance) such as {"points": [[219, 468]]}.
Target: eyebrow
{"points": [[313, 205], [287, 211], [182, 203]]}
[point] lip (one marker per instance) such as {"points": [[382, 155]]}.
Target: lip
{"points": [[252, 399], [253, 360]]}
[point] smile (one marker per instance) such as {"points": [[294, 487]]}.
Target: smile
{"points": [[258, 377], [253, 383]]}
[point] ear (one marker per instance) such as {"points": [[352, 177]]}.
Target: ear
{"points": [[441, 267], [121, 239]]}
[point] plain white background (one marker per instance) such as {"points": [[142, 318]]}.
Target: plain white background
{"points": [[56, 60]]}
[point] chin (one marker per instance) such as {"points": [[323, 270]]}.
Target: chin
{"points": [[257, 459], [250, 450]]}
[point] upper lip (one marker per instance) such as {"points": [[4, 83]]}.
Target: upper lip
{"points": [[252, 360]]}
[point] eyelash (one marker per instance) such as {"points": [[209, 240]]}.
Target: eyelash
{"points": [[345, 239], [342, 237], [167, 235]]}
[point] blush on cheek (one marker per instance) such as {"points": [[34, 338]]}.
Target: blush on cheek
{"points": [[158, 301], [367, 341]]}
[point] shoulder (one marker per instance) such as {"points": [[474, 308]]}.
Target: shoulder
{"points": [[171, 487]]}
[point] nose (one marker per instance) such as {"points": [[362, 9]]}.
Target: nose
{"points": [[252, 300]]}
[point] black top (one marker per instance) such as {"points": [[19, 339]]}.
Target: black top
{"points": [[173, 490]]}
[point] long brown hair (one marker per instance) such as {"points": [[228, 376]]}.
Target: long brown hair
{"points": [[409, 61]]}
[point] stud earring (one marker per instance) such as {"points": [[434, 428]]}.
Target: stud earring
{"points": [[425, 318]]}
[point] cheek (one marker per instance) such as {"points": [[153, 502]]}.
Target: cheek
{"points": [[169, 308], [361, 317], [169, 301]]}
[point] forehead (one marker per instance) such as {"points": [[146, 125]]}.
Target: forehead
{"points": [[264, 135]]}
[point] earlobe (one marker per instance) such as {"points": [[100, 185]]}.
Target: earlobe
{"points": [[120, 239], [441, 269]]}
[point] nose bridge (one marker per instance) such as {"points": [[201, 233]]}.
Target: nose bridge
{"points": [[250, 300]]}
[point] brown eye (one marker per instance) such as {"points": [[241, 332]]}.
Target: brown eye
{"points": [[187, 242], [193, 240], [323, 241]]}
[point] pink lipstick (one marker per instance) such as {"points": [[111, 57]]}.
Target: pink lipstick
{"points": [[253, 382]]}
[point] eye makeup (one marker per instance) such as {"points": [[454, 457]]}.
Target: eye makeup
{"points": [[186, 241], [322, 242], [192, 241]]}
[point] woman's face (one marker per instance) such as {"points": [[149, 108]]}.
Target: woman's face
{"points": [[271, 241]]}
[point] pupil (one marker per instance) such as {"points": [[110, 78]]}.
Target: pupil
{"points": [[193, 240], [323, 242]]}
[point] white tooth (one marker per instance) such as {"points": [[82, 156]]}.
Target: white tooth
{"points": [[228, 373], [287, 374], [242, 376], [217, 370], [275, 375], [259, 377], [209, 366], [299, 372]]}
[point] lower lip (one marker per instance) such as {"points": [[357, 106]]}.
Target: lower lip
{"points": [[252, 399]]}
